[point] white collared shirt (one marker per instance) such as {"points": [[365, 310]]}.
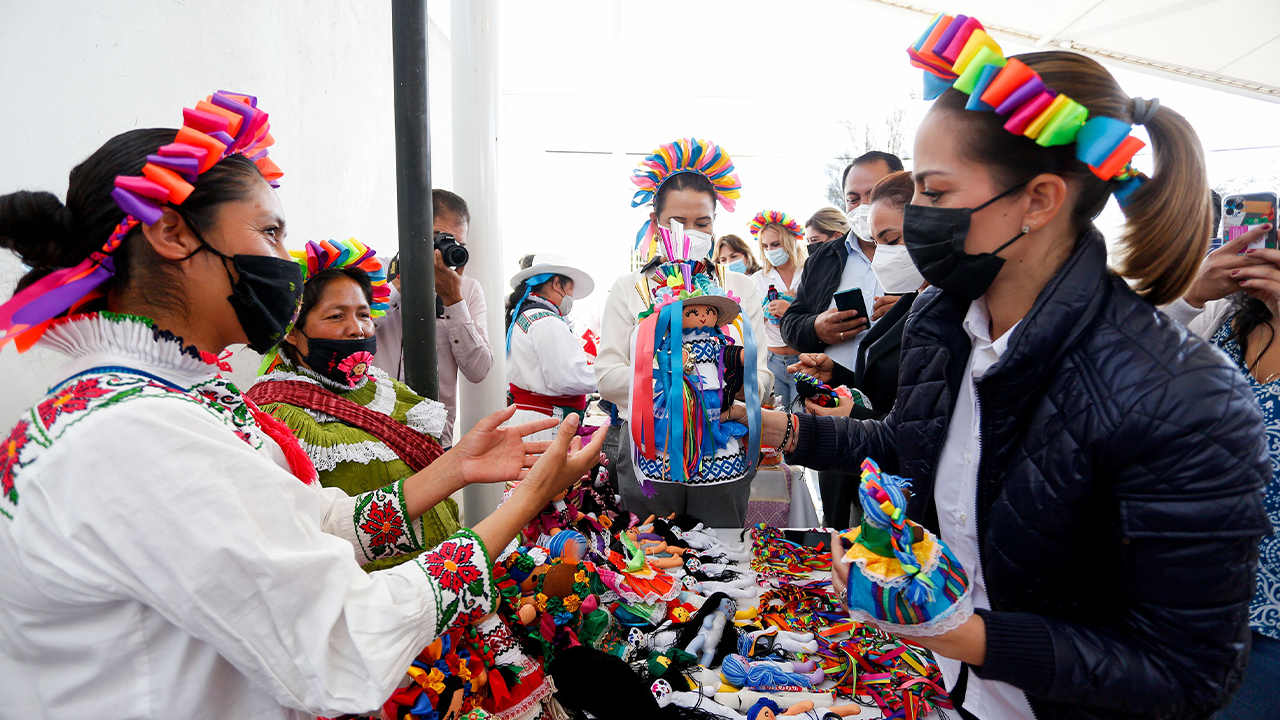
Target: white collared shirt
{"points": [[857, 274], [955, 493]]}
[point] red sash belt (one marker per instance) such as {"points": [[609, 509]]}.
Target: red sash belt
{"points": [[546, 404]]}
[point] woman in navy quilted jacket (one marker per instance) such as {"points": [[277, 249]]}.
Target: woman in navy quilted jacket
{"points": [[1096, 469]]}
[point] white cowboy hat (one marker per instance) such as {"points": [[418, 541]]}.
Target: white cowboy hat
{"points": [[552, 263]]}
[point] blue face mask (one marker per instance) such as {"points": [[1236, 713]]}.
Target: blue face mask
{"points": [[737, 265]]}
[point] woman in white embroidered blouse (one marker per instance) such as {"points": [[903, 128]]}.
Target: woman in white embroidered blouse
{"points": [[165, 547]]}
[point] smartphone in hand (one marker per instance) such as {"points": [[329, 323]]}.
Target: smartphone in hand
{"points": [[852, 300], [1242, 212]]}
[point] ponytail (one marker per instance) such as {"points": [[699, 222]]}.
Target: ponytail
{"points": [[1168, 220]]}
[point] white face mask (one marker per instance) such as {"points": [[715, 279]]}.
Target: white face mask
{"points": [[700, 244], [778, 257], [860, 221], [894, 269], [566, 304]]}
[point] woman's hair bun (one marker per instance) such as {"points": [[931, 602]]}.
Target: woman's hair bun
{"points": [[38, 227]]}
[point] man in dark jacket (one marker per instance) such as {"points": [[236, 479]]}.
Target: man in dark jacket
{"points": [[813, 324], [1119, 502]]}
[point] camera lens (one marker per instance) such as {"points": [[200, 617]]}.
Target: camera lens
{"points": [[455, 255]]}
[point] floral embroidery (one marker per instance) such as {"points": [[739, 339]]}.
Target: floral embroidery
{"points": [[71, 400], [382, 524], [462, 580], [356, 366], [385, 525], [451, 566], [10, 454]]}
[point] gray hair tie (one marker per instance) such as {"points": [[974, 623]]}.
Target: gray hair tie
{"points": [[1144, 110]]}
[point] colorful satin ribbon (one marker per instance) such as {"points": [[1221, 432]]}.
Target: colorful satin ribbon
{"points": [[957, 52]]}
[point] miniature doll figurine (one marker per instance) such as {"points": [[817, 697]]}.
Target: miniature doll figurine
{"points": [[908, 581]]}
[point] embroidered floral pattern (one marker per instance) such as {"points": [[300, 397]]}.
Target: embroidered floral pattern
{"points": [[451, 566], [356, 366], [72, 399], [462, 580], [383, 526], [10, 461]]}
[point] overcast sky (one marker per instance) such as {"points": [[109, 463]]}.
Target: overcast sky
{"points": [[591, 88]]}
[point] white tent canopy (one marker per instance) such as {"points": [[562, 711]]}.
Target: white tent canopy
{"points": [[1232, 45]]}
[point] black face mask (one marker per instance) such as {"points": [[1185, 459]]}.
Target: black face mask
{"points": [[343, 361], [935, 237], [266, 298]]}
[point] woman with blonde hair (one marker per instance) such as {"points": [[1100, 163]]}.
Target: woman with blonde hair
{"points": [[779, 237], [825, 225], [734, 253]]}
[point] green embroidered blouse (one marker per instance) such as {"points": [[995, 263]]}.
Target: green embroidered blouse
{"points": [[352, 459]]}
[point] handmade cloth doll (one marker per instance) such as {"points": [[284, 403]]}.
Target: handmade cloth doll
{"points": [[636, 579], [907, 580], [768, 676], [517, 682], [445, 682], [767, 709], [686, 372]]}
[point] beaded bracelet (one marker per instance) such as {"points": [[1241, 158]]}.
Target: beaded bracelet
{"points": [[786, 436]]}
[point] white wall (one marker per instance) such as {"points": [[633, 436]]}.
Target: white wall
{"points": [[76, 72]]}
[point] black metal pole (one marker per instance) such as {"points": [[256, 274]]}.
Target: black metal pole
{"points": [[413, 195]]}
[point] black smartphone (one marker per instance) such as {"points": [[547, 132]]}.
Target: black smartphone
{"points": [[851, 300]]}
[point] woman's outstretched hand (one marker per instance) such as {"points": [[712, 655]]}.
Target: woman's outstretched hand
{"points": [[563, 463], [492, 453]]}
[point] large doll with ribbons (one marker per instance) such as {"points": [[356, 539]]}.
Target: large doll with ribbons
{"points": [[687, 372]]}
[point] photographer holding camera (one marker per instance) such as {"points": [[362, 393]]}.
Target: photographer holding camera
{"points": [[462, 343]]}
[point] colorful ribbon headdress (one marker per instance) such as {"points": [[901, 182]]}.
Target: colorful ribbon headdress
{"points": [[222, 124], [686, 155], [957, 52], [343, 254], [775, 217]]}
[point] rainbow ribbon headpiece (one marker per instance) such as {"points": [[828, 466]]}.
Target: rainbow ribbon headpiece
{"points": [[343, 254], [957, 52], [222, 124], [775, 217], [686, 155]]}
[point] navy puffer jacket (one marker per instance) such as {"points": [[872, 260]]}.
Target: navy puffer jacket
{"points": [[1119, 493]]}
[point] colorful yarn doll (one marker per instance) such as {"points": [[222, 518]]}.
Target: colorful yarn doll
{"points": [[908, 581], [687, 370], [765, 676]]}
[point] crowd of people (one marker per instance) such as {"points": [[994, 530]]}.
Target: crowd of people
{"points": [[1092, 440]]}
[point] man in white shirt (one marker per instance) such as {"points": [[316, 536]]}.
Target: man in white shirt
{"points": [[462, 342]]}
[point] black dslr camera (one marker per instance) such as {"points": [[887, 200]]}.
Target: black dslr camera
{"points": [[453, 253]]}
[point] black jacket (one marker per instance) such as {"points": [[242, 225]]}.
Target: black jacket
{"points": [[819, 283], [1119, 493]]}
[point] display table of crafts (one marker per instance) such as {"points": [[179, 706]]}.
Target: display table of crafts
{"points": [[618, 616]]}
